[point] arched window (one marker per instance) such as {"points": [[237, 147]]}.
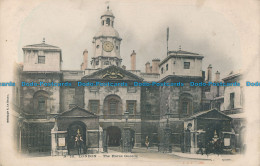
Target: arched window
{"points": [[112, 105], [167, 67], [162, 70], [108, 21], [40, 101]]}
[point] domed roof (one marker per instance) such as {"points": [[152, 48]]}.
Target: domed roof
{"points": [[108, 13], [107, 31]]}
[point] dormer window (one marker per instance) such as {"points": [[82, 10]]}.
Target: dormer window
{"points": [[106, 63], [41, 59]]}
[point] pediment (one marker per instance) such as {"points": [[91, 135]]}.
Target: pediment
{"points": [[113, 73], [78, 112], [211, 114]]}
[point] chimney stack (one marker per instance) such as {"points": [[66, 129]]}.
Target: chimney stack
{"points": [[84, 65], [155, 65], [209, 73], [147, 67], [133, 60], [217, 76]]}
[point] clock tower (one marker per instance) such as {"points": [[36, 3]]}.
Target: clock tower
{"points": [[106, 43]]}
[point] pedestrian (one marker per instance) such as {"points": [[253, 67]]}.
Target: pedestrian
{"points": [[147, 142], [132, 142]]}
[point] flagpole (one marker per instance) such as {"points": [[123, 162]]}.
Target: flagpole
{"points": [[167, 39]]}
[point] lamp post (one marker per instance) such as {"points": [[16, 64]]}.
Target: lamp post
{"points": [[165, 145], [20, 123], [126, 141], [126, 114]]}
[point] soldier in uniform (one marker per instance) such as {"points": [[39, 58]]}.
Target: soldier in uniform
{"points": [[78, 142], [147, 142]]}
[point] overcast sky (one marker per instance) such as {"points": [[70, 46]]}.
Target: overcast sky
{"points": [[198, 28]]}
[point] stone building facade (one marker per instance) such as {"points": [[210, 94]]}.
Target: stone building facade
{"points": [[98, 113]]}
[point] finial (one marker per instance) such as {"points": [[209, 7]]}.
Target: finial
{"points": [[107, 2], [179, 47], [43, 40]]}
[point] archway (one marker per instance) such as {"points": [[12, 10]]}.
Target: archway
{"points": [[73, 129], [113, 136]]}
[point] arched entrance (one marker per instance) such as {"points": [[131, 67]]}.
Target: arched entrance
{"points": [[73, 129], [113, 136]]}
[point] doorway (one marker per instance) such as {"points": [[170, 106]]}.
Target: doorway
{"points": [[113, 136], [74, 129]]}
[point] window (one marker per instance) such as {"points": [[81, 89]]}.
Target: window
{"points": [[108, 21], [185, 107], [167, 67], [113, 106], [97, 46], [41, 104], [40, 100], [97, 62], [117, 47], [148, 109], [41, 59], [162, 70], [112, 23], [131, 106], [103, 22], [186, 65], [94, 106], [232, 100], [106, 63]]}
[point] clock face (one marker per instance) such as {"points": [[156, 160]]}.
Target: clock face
{"points": [[108, 46]]}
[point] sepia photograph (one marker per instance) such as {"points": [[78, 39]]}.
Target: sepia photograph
{"points": [[129, 82]]}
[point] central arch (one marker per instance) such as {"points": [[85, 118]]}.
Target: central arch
{"points": [[113, 136]]}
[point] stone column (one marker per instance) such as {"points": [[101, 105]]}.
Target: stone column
{"points": [[104, 140], [100, 142], [54, 139], [127, 140]]}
